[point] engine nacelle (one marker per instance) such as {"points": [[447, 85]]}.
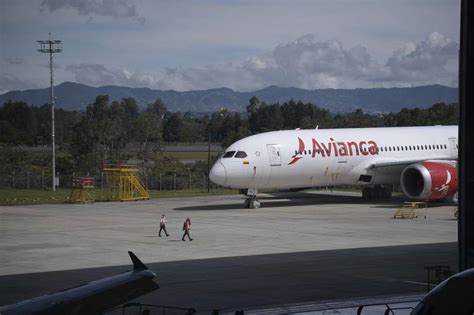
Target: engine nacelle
{"points": [[429, 180]]}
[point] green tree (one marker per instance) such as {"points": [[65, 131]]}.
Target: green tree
{"points": [[19, 121], [252, 114], [171, 127], [150, 124], [102, 133]]}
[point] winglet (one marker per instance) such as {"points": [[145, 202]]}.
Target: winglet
{"points": [[137, 263]]}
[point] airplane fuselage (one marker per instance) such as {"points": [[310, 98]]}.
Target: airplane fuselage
{"points": [[321, 157]]}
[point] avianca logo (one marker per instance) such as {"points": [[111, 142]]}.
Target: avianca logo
{"points": [[349, 148], [295, 156]]}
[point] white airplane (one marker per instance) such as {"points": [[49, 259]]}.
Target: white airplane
{"points": [[423, 160]]}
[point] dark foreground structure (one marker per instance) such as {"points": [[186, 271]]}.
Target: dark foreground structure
{"points": [[466, 143], [453, 296], [91, 298], [246, 282]]}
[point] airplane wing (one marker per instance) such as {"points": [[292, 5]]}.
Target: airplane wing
{"points": [[91, 298], [404, 162]]}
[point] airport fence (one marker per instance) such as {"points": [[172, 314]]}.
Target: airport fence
{"points": [[161, 182], [152, 181]]}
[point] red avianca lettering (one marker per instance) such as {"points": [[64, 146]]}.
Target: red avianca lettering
{"points": [[336, 148]]}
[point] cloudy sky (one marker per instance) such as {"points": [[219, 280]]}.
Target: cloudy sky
{"points": [[244, 45]]}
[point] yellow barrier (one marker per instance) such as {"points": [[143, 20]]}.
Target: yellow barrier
{"points": [[407, 211], [82, 189], [125, 184]]}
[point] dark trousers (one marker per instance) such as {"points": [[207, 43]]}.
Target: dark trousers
{"points": [[186, 232], [162, 228]]}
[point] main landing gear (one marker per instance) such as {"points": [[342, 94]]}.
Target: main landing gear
{"points": [[378, 192], [251, 202]]}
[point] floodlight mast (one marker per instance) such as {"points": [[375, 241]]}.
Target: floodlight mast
{"points": [[51, 47]]}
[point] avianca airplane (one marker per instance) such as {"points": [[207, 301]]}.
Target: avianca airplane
{"points": [[423, 160]]}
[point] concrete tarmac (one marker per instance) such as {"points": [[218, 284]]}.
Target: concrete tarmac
{"points": [[298, 247]]}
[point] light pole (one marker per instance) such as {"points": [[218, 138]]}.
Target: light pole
{"points": [[51, 47]]}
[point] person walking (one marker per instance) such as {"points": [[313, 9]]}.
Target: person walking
{"points": [[163, 225], [186, 228]]}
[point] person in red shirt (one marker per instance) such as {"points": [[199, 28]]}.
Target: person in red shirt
{"points": [[163, 225], [186, 228]]}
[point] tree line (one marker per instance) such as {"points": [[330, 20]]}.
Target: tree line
{"points": [[118, 130]]}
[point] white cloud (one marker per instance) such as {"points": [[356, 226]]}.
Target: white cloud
{"points": [[304, 63], [208, 43], [111, 8], [428, 61], [9, 82], [97, 74], [15, 60]]}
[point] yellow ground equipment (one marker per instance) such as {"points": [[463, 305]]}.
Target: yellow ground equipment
{"points": [[408, 210], [124, 183], [83, 189]]}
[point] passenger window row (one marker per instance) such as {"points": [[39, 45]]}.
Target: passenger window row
{"points": [[414, 147], [391, 148], [305, 152]]}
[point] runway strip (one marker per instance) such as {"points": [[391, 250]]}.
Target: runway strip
{"points": [[254, 281]]}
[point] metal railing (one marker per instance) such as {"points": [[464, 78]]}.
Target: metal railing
{"points": [[389, 310], [145, 309], [437, 274], [159, 182]]}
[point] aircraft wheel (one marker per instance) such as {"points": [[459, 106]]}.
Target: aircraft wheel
{"points": [[367, 193], [387, 192], [378, 192], [247, 203], [254, 204]]}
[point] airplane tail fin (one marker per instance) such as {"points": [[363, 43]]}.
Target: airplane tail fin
{"points": [[137, 263]]}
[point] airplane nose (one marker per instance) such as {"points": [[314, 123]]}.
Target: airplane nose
{"points": [[218, 174]]}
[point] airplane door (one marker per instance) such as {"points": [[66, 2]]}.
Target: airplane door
{"points": [[453, 143], [274, 154], [341, 167]]}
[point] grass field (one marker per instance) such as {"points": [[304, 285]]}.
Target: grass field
{"points": [[16, 197]]}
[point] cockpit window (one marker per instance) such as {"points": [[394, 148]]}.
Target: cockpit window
{"points": [[229, 154], [241, 155]]}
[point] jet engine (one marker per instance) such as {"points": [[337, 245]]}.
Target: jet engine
{"points": [[429, 180]]}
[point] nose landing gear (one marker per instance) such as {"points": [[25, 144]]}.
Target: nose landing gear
{"points": [[251, 202]]}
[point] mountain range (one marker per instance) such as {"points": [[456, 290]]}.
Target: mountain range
{"points": [[76, 96]]}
